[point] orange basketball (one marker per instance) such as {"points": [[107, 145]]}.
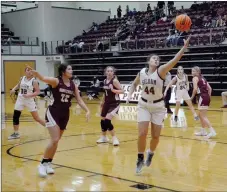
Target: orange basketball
{"points": [[183, 23]]}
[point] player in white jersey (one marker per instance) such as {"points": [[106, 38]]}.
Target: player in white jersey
{"points": [[182, 87], [29, 89], [151, 107]]}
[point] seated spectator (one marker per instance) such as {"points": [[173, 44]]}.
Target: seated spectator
{"points": [[134, 11], [224, 19], [180, 38], [119, 12], [103, 44], [213, 21], [206, 21], [171, 39], [219, 21], [148, 7], [93, 92], [77, 46], [198, 21], [163, 19]]}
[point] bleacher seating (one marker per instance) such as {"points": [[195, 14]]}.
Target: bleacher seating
{"points": [[155, 36], [212, 60], [7, 37]]}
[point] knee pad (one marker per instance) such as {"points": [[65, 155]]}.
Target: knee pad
{"points": [[109, 125], [16, 117], [103, 126]]}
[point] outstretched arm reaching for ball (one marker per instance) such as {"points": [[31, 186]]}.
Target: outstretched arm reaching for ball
{"points": [[133, 87], [48, 80], [164, 69]]}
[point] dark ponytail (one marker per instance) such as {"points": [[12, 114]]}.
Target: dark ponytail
{"points": [[61, 69]]}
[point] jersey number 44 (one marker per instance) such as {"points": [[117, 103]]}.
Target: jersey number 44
{"points": [[148, 91]]}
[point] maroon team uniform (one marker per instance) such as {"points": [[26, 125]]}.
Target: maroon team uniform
{"points": [[112, 100], [204, 98], [58, 112]]}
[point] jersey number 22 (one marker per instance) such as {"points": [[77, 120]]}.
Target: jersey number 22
{"points": [[64, 98]]}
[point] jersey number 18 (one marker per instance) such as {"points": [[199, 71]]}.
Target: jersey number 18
{"points": [[149, 91]]}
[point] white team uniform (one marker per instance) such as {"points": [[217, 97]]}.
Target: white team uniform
{"points": [[181, 89], [152, 90], [26, 86]]}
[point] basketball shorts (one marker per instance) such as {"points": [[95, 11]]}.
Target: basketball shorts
{"points": [[58, 117], [204, 102], [110, 108], [182, 94], [152, 112], [28, 103]]}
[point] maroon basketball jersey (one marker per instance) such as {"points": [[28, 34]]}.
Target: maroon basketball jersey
{"points": [[110, 97], [62, 94], [202, 84]]}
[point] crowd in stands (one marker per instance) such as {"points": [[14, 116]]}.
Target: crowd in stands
{"points": [[156, 23]]}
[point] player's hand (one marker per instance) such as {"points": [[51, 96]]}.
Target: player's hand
{"points": [[164, 95], [186, 42], [12, 91], [111, 87], [128, 99], [27, 96], [88, 116], [34, 72]]}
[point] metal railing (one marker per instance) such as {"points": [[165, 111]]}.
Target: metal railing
{"points": [[59, 47], [22, 46], [34, 41]]}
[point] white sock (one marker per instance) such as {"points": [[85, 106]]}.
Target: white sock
{"points": [[149, 151], [212, 129], [203, 130]]}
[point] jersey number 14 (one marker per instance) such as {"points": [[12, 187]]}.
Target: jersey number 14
{"points": [[149, 91]]}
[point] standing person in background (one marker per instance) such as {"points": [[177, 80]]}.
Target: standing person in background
{"points": [[110, 105], [167, 95], [224, 99], [170, 7], [119, 12], [182, 87], [29, 89], [148, 7], [199, 82]]}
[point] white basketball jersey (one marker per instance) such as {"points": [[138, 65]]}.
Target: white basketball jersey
{"points": [[152, 85], [26, 86], [181, 84]]}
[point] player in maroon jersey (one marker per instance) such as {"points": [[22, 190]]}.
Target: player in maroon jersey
{"points": [[57, 115], [110, 105], [199, 82]]}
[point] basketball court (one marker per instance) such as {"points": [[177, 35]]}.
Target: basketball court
{"points": [[182, 162]]}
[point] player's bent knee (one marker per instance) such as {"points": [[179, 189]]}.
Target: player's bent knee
{"points": [[103, 125], [16, 117], [109, 125], [55, 140]]}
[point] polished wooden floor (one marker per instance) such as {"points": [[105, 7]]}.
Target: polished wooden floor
{"points": [[182, 162]]}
